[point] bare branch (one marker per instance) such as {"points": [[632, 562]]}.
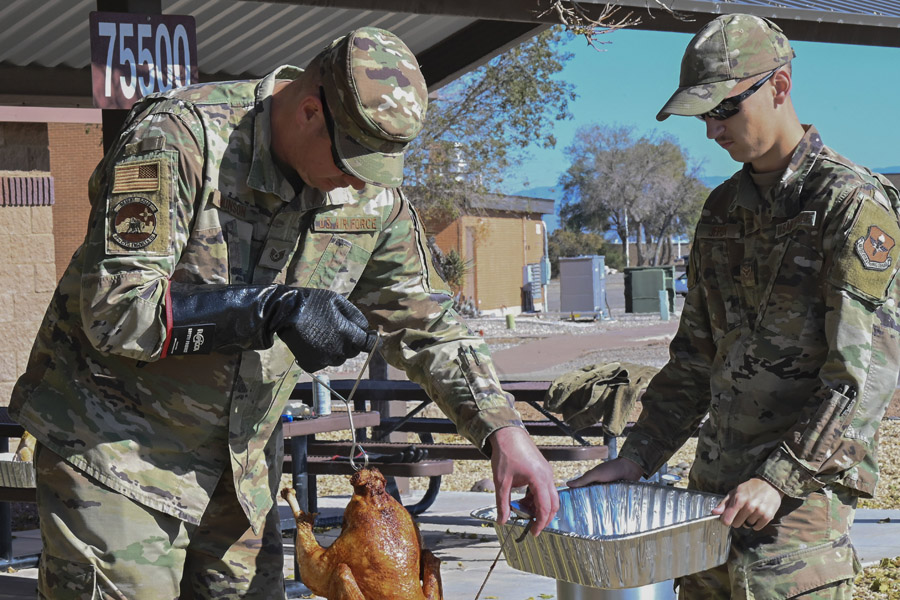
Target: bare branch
{"points": [[578, 21]]}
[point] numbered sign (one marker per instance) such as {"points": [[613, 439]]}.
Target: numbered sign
{"points": [[133, 55]]}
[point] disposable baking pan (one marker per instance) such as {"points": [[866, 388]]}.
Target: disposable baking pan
{"points": [[619, 535]]}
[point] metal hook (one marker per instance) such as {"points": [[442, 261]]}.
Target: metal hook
{"points": [[347, 400]]}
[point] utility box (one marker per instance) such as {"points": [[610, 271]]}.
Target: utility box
{"points": [[642, 287], [582, 285]]}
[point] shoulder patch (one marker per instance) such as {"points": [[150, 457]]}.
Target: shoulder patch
{"points": [[866, 261], [139, 205], [874, 249], [137, 176]]}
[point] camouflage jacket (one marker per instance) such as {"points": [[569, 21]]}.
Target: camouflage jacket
{"points": [[190, 193], [789, 339]]}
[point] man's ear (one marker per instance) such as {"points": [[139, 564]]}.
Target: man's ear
{"points": [[782, 82], [308, 113]]}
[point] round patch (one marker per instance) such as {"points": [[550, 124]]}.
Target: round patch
{"points": [[134, 221]]}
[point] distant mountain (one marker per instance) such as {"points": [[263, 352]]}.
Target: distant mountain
{"points": [[888, 170], [713, 181], [547, 192]]}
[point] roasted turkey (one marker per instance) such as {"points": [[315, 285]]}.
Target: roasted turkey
{"points": [[378, 555]]}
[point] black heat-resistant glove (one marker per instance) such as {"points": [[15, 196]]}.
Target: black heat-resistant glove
{"points": [[321, 327]]}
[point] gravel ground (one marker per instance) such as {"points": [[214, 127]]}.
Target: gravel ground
{"points": [[879, 582]]}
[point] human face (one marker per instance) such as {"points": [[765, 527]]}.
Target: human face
{"points": [[305, 145], [750, 132], [317, 167]]}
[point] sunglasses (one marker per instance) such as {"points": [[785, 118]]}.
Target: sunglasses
{"points": [[329, 123], [729, 107]]}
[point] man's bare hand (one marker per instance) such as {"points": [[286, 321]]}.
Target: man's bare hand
{"points": [[751, 504], [516, 461], [613, 470]]}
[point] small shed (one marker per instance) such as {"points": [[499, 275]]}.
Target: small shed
{"points": [[505, 240]]}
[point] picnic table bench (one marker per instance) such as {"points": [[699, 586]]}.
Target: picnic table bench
{"points": [[378, 394]]}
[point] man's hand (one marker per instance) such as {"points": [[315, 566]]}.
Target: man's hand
{"points": [[613, 470], [752, 504], [516, 461]]}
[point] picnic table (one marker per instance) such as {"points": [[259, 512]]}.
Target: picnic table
{"points": [[380, 394]]}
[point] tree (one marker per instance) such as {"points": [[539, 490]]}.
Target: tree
{"points": [[632, 186], [479, 126]]}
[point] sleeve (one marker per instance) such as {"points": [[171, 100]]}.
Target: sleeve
{"points": [[143, 196], [835, 438], [678, 397], [401, 293]]}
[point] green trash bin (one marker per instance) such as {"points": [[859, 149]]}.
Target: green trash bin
{"points": [[642, 287]]}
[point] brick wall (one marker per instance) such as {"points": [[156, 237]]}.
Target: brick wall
{"points": [[36, 242], [23, 147], [75, 149]]}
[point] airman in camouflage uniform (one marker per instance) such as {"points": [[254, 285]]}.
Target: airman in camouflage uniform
{"points": [[158, 411], [790, 336]]}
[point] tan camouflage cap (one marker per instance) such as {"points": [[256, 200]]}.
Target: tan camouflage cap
{"points": [[377, 97], [729, 48]]}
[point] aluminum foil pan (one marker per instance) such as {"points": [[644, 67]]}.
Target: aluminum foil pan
{"points": [[619, 535]]}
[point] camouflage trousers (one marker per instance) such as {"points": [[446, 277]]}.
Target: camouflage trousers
{"points": [[804, 552], [99, 544]]}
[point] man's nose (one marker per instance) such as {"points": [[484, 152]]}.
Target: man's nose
{"points": [[354, 182], [714, 127]]}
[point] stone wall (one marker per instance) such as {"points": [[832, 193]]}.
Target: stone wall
{"points": [[27, 281]]}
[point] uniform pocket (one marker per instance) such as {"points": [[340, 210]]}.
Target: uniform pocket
{"points": [[825, 427], [340, 267], [481, 381], [204, 259], [797, 572], [723, 303], [795, 291], [66, 580]]}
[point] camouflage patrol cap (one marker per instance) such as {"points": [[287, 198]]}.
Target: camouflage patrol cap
{"points": [[377, 97], [729, 48]]}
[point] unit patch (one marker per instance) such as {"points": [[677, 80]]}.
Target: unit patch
{"points": [[874, 249], [139, 205], [865, 260], [134, 222]]}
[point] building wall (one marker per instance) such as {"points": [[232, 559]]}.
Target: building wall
{"points": [[500, 245], [75, 149], [27, 279], [23, 147], [36, 242]]}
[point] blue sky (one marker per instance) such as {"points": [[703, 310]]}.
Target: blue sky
{"points": [[850, 93]]}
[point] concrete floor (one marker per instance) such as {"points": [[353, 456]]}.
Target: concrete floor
{"points": [[468, 547]]}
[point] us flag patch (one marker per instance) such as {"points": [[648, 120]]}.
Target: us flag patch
{"points": [[142, 176]]}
